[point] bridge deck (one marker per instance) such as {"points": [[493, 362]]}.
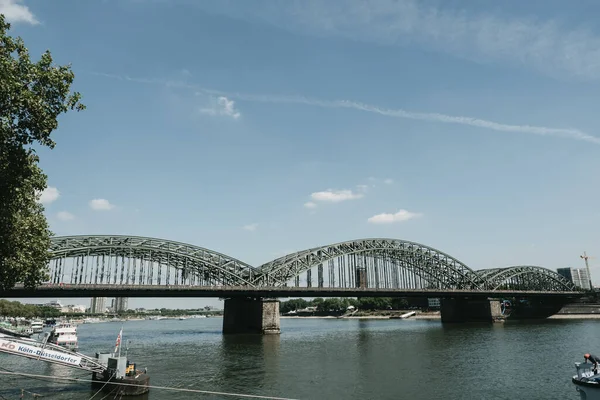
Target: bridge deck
{"points": [[109, 290]]}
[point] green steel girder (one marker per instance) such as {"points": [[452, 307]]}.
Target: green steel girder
{"points": [[426, 261], [439, 269], [183, 256], [530, 277], [486, 273]]}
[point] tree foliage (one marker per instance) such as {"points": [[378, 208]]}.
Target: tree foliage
{"points": [[337, 305], [32, 96], [16, 309]]}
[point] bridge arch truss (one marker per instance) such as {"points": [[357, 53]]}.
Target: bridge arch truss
{"points": [[525, 277], [136, 260], [370, 263], [366, 263]]}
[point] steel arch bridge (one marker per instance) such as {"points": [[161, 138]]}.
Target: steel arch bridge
{"points": [[379, 264], [136, 260]]}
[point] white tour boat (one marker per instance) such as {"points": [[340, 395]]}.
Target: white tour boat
{"points": [[37, 326], [65, 335], [586, 382]]}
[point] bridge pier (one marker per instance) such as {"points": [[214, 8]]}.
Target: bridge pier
{"points": [[460, 309], [251, 315]]}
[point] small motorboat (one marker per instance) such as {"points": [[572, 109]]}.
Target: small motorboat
{"points": [[587, 382]]}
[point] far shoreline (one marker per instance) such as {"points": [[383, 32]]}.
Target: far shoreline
{"points": [[433, 317], [574, 316]]}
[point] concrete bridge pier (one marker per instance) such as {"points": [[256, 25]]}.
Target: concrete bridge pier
{"points": [[460, 309], [251, 315]]}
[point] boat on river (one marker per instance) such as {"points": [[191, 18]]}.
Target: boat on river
{"points": [[587, 383], [15, 330], [112, 373], [37, 326], [65, 335]]}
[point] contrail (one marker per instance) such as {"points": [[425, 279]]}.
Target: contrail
{"points": [[394, 113]]}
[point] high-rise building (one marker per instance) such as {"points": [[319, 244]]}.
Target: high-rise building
{"points": [[566, 273], [581, 278], [121, 304], [98, 305], [578, 276]]}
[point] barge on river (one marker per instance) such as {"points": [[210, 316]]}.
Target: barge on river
{"points": [[121, 377]]}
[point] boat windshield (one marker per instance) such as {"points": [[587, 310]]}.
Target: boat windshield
{"points": [[585, 372]]}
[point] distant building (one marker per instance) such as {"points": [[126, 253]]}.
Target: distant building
{"points": [[98, 305], [74, 308], [57, 305], [578, 276], [54, 304], [120, 304]]}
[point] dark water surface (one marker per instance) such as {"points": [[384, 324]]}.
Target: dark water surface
{"points": [[336, 359]]}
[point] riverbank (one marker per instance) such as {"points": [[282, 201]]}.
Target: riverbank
{"points": [[435, 315], [575, 316]]}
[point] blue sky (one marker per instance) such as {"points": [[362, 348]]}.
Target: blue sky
{"points": [[257, 128]]}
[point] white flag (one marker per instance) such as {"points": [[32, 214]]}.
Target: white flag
{"points": [[118, 343]]}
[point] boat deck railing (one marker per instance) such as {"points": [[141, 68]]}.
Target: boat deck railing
{"points": [[48, 352]]}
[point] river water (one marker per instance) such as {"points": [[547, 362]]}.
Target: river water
{"points": [[335, 359]]}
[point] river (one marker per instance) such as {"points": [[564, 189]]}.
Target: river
{"points": [[336, 359]]}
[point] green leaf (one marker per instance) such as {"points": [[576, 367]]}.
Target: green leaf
{"points": [[32, 96]]}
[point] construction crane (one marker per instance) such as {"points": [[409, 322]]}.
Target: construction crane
{"points": [[587, 266]]}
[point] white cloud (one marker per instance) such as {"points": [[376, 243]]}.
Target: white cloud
{"points": [[101, 205], [449, 119], [436, 117], [335, 196], [570, 133], [388, 181], [310, 204], [400, 216], [250, 227], [222, 106], [48, 195], [65, 216], [362, 188], [551, 46], [15, 11]]}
